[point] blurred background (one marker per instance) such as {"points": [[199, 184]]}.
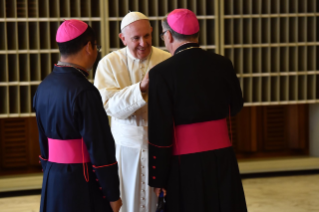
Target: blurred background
{"points": [[274, 47]]}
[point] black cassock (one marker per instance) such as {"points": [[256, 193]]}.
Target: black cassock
{"points": [[67, 107], [193, 86]]}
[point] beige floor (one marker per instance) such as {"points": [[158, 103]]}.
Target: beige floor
{"points": [[283, 194], [274, 194]]}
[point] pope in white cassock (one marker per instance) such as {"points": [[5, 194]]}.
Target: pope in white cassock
{"points": [[122, 79]]}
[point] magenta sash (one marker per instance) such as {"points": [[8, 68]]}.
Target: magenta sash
{"points": [[201, 137], [68, 151]]}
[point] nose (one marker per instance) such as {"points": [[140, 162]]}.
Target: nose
{"points": [[142, 42]]}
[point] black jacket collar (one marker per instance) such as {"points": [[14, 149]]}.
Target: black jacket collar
{"points": [[185, 46], [67, 69]]}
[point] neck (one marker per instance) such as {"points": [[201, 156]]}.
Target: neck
{"points": [[140, 59], [177, 44], [75, 61]]}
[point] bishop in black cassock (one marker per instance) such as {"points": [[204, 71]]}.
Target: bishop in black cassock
{"points": [[190, 96], [77, 147]]}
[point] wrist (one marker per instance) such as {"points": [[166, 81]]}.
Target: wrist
{"points": [[141, 89]]}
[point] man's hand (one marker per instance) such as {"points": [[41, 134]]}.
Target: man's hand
{"points": [[144, 83], [158, 191], [116, 205]]}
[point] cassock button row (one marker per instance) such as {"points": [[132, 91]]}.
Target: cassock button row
{"points": [[154, 177], [97, 180], [154, 157], [154, 167], [104, 197], [100, 188]]}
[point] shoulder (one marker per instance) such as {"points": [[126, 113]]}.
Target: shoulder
{"points": [[89, 90], [219, 58], [163, 67], [207, 58], [110, 62], [203, 57], [160, 53], [114, 57], [80, 84]]}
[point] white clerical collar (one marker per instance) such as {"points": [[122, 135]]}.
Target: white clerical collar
{"points": [[139, 60]]}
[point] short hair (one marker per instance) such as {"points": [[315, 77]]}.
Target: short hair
{"points": [[74, 46], [176, 35]]}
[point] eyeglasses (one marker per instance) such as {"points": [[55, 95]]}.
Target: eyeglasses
{"points": [[162, 34], [98, 47]]}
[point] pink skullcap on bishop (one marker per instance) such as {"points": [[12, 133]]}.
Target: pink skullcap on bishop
{"points": [[183, 21], [70, 29]]}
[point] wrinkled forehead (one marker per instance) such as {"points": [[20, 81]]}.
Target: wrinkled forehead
{"points": [[138, 28]]}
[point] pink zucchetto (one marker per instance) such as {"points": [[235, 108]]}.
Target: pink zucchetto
{"points": [[183, 21], [70, 29]]}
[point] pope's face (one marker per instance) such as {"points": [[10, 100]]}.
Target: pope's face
{"points": [[138, 38]]}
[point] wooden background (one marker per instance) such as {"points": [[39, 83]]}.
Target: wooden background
{"points": [[257, 132]]}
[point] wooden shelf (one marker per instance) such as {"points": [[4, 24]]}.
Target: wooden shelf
{"points": [[28, 49]]}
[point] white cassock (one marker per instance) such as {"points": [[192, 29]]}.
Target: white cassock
{"points": [[118, 78]]}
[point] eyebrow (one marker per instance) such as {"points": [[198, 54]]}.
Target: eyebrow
{"points": [[136, 36]]}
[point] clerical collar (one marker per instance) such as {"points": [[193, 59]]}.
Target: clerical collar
{"points": [[186, 46], [77, 67]]}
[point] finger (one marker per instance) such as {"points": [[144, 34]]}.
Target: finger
{"points": [[146, 77], [164, 191], [155, 191]]}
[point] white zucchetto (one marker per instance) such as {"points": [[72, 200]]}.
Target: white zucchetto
{"points": [[132, 17]]}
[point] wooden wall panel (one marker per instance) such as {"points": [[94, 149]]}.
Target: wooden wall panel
{"points": [[245, 130], [33, 140], [19, 146], [14, 151], [259, 131], [271, 131], [297, 118], [274, 128]]}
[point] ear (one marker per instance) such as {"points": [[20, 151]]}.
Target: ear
{"points": [[89, 48], [170, 37], [122, 37]]}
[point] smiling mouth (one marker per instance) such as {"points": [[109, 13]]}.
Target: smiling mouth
{"points": [[142, 51]]}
